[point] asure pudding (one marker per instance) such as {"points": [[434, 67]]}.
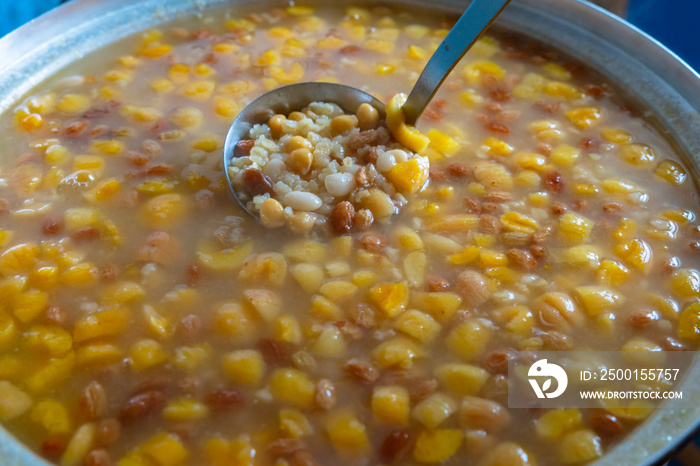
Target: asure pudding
{"points": [[146, 319]]}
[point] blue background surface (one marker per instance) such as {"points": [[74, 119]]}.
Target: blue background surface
{"points": [[675, 23]]}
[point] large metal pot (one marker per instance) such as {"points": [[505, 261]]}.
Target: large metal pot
{"points": [[650, 74]]}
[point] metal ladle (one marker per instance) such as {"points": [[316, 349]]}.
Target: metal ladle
{"points": [[286, 99]]}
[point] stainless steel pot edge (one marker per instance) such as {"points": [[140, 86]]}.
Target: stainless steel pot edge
{"points": [[653, 75]]}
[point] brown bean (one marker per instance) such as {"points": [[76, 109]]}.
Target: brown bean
{"points": [[85, 234], [606, 424], [275, 352], [93, 401], [394, 446], [362, 315], [284, 447], [522, 259], [497, 128], [325, 394], [75, 129], [255, 183], [373, 242], [4, 205], [671, 344], [472, 205], [98, 458], [194, 274], [553, 182], [343, 217], [303, 458], [364, 219], [496, 362], [51, 225], [474, 287], [458, 169], [490, 207], [243, 148], [108, 431], [161, 248], [437, 283], [489, 224], [538, 251], [362, 371], [224, 400], [498, 196], [143, 405], [420, 389], [642, 319]]}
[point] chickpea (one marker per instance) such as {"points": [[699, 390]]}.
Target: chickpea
{"points": [[272, 213], [275, 123], [300, 160], [367, 116], [301, 222], [343, 123], [296, 116], [297, 142]]}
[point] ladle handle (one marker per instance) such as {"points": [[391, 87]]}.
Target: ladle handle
{"points": [[473, 22]]}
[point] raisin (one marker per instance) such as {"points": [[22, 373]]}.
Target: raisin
{"points": [[143, 405], [500, 95], [350, 49], [224, 400], [243, 148], [497, 128], [51, 225], [394, 446], [274, 352], [496, 362], [93, 401], [458, 169], [85, 234], [606, 425], [343, 217], [362, 371], [553, 182], [373, 242], [255, 183]]}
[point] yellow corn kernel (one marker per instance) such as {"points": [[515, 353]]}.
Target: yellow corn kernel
{"points": [[442, 305], [226, 107], [156, 51], [364, 277], [381, 46], [417, 53], [436, 446], [596, 300], [396, 121], [18, 258], [470, 98], [391, 405], [689, 323], [419, 325], [385, 68], [584, 255], [141, 114], [156, 324], [515, 221], [207, 143], [238, 451], [198, 90], [574, 228], [531, 161], [435, 409], [556, 71], [108, 92], [637, 154], [294, 423], [515, 319], [51, 375], [13, 401], [636, 253], [287, 329], [585, 117], [293, 387], [453, 223], [146, 353], [190, 358], [30, 304], [99, 354], [245, 367], [336, 290], [547, 130], [94, 163], [580, 446], [226, 48], [162, 85], [469, 338], [553, 424], [226, 260], [266, 303], [51, 415], [469, 255], [165, 449], [618, 186], [81, 274], [475, 71], [9, 331], [640, 351], [587, 189], [565, 90], [398, 351], [330, 343], [309, 276], [56, 154], [409, 176], [122, 292], [685, 283], [73, 103], [104, 190], [80, 444], [48, 341], [462, 379], [390, 299], [671, 172], [346, 432], [121, 77], [325, 309], [164, 211], [612, 273], [231, 320], [271, 267], [80, 217], [565, 155], [489, 258], [107, 147], [497, 147], [185, 409], [31, 122]]}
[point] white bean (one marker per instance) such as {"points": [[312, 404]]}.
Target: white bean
{"points": [[300, 200], [399, 155], [385, 162], [340, 184]]}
